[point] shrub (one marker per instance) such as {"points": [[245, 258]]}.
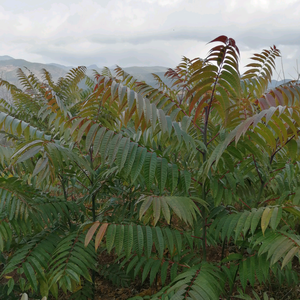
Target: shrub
{"points": [[193, 186]]}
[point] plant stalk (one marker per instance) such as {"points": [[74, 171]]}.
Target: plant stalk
{"points": [[94, 218], [203, 186], [223, 250], [231, 289]]}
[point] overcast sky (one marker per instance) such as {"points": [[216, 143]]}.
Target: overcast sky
{"points": [[146, 32]]}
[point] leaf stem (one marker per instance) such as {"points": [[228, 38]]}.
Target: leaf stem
{"points": [[260, 192]]}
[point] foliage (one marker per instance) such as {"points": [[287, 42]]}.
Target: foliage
{"points": [[158, 178], [247, 297]]}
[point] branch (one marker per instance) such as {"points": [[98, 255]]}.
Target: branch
{"points": [[195, 180], [244, 203], [83, 172], [277, 150], [257, 169], [213, 138]]}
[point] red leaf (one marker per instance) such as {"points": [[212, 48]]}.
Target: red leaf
{"points": [[96, 87], [233, 44], [263, 103], [270, 100], [221, 38], [217, 48], [201, 106], [279, 97]]}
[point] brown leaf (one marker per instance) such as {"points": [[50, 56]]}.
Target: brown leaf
{"points": [[90, 233], [100, 235]]}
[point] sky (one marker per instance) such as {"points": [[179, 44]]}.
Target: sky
{"points": [[147, 32]]}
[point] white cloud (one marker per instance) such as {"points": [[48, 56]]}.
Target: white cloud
{"points": [[144, 32], [163, 2]]}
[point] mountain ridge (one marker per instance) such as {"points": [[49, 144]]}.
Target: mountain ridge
{"points": [[10, 65]]}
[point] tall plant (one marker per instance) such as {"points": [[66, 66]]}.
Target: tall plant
{"points": [[159, 177]]}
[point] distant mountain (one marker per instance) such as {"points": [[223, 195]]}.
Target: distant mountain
{"points": [[92, 67], [275, 83], [145, 74], [145, 70], [9, 67], [6, 57], [61, 66]]}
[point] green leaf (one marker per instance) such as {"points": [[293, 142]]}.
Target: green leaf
{"points": [[169, 240], [10, 284], [243, 273], [139, 265], [163, 272], [281, 250], [28, 154], [289, 256], [40, 165], [162, 171], [145, 205], [146, 269], [187, 180], [232, 257], [256, 218], [172, 177], [105, 144], [154, 270], [156, 209], [149, 241], [149, 168], [159, 241], [130, 159], [90, 136], [30, 275], [173, 271], [139, 240], [132, 264], [276, 217], [240, 224], [165, 209], [128, 240], [98, 139], [82, 130], [162, 120], [110, 237], [119, 239], [138, 163]]}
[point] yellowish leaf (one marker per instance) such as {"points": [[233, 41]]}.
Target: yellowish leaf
{"points": [[265, 219]]}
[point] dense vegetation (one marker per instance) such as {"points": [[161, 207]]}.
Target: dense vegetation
{"points": [[193, 188]]}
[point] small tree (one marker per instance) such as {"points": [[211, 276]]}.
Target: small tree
{"points": [[160, 177]]}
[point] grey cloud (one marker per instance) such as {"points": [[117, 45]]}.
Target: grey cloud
{"points": [[257, 38], [140, 32], [135, 39], [254, 39], [106, 57]]}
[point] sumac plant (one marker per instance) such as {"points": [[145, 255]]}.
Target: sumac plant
{"points": [[193, 188]]}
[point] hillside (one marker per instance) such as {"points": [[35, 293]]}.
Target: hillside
{"points": [[9, 67]]}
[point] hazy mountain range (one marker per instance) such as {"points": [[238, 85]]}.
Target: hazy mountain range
{"points": [[9, 67]]}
